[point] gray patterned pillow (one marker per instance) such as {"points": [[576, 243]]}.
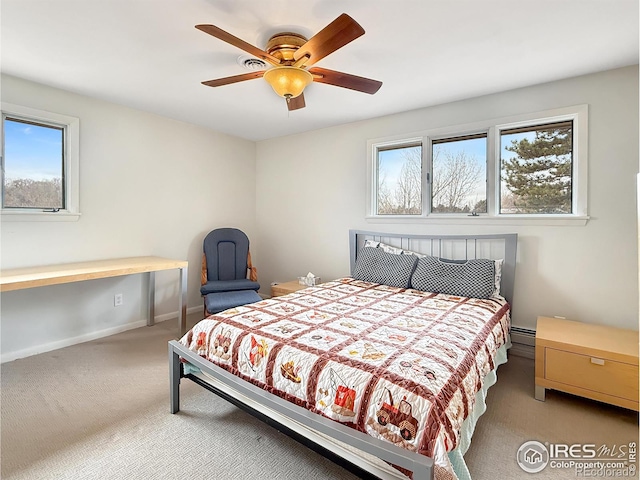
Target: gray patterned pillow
{"points": [[375, 265], [471, 278]]}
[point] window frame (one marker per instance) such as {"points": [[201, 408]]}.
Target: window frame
{"points": [[388, 145], [578, 114], [71, 164]]}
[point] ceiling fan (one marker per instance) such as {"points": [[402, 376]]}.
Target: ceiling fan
{"points": [[291, 55]]}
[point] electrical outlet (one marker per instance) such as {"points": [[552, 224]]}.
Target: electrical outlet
{"points": [[117, 300]]}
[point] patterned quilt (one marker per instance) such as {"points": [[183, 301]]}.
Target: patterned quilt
{"points": [[399, 364]]}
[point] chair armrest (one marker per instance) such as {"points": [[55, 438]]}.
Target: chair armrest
{"points": [[228, 286]]}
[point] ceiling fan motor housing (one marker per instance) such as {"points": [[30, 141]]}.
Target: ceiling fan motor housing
{"points": [[283, 45]]}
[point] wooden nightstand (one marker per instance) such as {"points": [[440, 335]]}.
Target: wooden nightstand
{"points": [[592, 361], [287, 287]]}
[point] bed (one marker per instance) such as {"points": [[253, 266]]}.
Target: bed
{"points": [[384, 371]]}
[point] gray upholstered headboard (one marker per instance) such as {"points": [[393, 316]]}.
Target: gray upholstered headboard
{"points": [[457, 247]]}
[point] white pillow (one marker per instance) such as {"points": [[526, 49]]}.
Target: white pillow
{"points": [[391, 249], [496, 290]]}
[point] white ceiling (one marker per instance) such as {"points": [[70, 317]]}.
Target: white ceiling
{"points": [[146, 54]]}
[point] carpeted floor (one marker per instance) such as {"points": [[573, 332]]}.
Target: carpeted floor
{"points": [[100, 410]]}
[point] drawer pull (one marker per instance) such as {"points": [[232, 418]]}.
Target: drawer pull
{"points": [[597, 361]]}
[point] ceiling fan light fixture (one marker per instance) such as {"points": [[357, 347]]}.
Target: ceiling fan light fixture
{"points": [[288, 82]]}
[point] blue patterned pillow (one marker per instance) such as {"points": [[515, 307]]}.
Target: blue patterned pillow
{"points": [[470, 278], [377, 266]]}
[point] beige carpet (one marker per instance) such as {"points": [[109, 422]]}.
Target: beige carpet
{"points": [[514, 416], [100, 410]]}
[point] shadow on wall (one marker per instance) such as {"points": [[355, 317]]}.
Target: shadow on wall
{"points": [[535, 293]]}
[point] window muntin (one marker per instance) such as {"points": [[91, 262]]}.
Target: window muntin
{"points": [[399, 180], [536, 169], [33, 165], [459, 174]]}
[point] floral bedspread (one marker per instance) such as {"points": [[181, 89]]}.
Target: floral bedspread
{"points": [[399, 364]]}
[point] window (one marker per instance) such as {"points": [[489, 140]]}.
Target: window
{"points": [[33, 165], [39, 165], [400, 180], [536, 169], [525, 169], [459, 182]]}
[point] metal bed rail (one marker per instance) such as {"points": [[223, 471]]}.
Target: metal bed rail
{"points": [[420, 465]]}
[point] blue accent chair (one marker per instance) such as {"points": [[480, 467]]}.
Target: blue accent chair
{"points": [[226, 262]]}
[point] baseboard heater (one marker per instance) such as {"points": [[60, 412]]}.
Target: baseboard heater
{"points": [[524, 336], [523, 342]]}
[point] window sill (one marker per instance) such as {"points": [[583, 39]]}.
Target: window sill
{"points": [[524, 220], [22, 216]]}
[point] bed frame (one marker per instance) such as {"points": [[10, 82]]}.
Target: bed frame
{"points": [[456, 247], [303, 425]]}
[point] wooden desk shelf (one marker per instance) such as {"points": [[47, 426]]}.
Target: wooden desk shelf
{"points": [[31, 277]]}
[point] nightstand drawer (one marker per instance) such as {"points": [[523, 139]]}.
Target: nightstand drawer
{"points": [[592, 373]]}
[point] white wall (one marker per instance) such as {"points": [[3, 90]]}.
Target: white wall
{"points": [[148, 186], [311, 191], [154, 186]]}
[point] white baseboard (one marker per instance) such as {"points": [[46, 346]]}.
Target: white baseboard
{"points": [[174, 315], [67, 342]]}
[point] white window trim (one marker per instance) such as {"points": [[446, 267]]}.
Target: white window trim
{"points": [[577, 113], [71, 167]]}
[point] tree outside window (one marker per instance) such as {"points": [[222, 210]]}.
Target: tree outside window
{"points": [[400, 180], [530, 166], [536, 169], [459, 175]]}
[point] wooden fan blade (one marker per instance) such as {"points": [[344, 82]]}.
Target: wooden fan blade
{"points": [[338, 33], [236, 42], [218, 82], [345, 80], [296, 103]]}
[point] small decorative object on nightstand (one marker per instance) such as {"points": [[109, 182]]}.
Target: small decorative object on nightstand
{"points": [[592, 361], [285, 288], [310, 280]]}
